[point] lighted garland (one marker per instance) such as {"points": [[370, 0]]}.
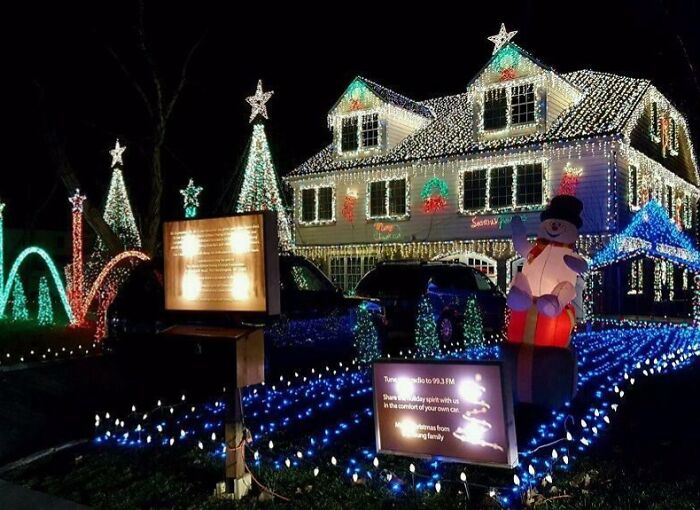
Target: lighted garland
{"points": [[434, 195]]}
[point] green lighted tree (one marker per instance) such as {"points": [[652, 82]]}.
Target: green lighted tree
{"points": [[473, 327], [19, 301], [45, 313], [427, 341], [366, 337]]}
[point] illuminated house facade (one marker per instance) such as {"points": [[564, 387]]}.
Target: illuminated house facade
{"points": [[442, 178]]}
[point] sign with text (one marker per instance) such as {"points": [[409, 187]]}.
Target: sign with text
{"points": [[225, 264], [458, 411]]}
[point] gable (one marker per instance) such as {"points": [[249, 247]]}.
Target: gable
{"points": [[509, 63], [357, 97], [679, 157]]}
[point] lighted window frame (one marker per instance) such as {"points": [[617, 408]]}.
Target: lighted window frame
{"points": [[317, 205], [633, 187], [388, 198], [521, 191], [509, 106], [360, 132]]}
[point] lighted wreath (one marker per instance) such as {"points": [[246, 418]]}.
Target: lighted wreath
{"points": [[434, 195]]}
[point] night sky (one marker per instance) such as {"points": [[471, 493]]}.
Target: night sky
{"points": [[306, 55]]}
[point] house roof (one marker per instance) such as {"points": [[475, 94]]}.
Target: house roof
{"points": [[606, 104], [651, 233], [391, 97]]}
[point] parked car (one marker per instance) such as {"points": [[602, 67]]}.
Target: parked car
{"points": [[315, 325], [399, 285]]}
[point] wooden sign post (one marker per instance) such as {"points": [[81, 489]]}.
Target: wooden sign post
{"points": [[230, 266]]}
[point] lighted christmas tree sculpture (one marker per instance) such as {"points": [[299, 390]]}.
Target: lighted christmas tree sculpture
{"points": [[427, 341], [473, 328], [190, 196], [45, 313], [19, 301], [366, 337], [118, 214], [260, 189]]}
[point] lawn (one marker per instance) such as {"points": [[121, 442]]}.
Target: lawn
{"points": [[26, 341], [643, 459]]}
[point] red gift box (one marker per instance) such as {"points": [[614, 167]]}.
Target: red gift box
{"points": [[534, 328]]}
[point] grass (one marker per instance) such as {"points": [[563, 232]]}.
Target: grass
{"points": [[19, 339]]}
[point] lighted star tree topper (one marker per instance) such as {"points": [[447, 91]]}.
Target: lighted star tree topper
{"points": [[258, 102], [190, 196], [260, 190], [502, 38]]}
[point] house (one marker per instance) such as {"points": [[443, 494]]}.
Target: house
{"points": [[442, 178]]}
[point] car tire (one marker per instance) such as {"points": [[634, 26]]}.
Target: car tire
{"points": [[447, 329]]}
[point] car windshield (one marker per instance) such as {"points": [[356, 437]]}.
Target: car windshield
{"points": [[301, 276], [393, 280]]}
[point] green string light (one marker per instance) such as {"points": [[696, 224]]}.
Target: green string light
{"points": [[366, 337], [473, 328], [19, 301], [45, 313], [427, 341]]}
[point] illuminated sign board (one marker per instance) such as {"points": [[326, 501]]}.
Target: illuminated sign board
{"points": [[225, 264], [457, 411]]}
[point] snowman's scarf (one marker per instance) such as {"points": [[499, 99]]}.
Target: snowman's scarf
{"points": [[541, 244]]}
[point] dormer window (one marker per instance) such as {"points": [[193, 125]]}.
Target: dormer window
{"points": [[348, 141], [359, 132], [509, 106], [370, 130]]}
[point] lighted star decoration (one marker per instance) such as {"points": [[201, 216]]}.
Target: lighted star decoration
{"points": [[191, 198], [116, 154], [77, 201], [257, 102], [501, 38]]}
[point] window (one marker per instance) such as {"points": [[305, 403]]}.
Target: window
{"points": [[669, 201], [654, 120], [346, 272], [505, 187], [495, 109], [522, 104], [501, 187], [636, 277], [387, 198], [377, 198], [397, 197], [317, 205], [529, 189], [633, 198], [308, 205], [674, 136], [370, 130], [474, 189], [348, 139]]}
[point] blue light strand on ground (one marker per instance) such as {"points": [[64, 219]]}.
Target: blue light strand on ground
{"points": [[609, 363]]}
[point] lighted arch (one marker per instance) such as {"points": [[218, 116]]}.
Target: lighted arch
{"points": [[35, 250], [97, 284]]}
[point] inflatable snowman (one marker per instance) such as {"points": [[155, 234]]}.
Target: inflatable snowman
{"points": [[548, 278]]}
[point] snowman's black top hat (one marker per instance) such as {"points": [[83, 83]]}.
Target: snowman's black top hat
{"points": [[564, 207]]}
